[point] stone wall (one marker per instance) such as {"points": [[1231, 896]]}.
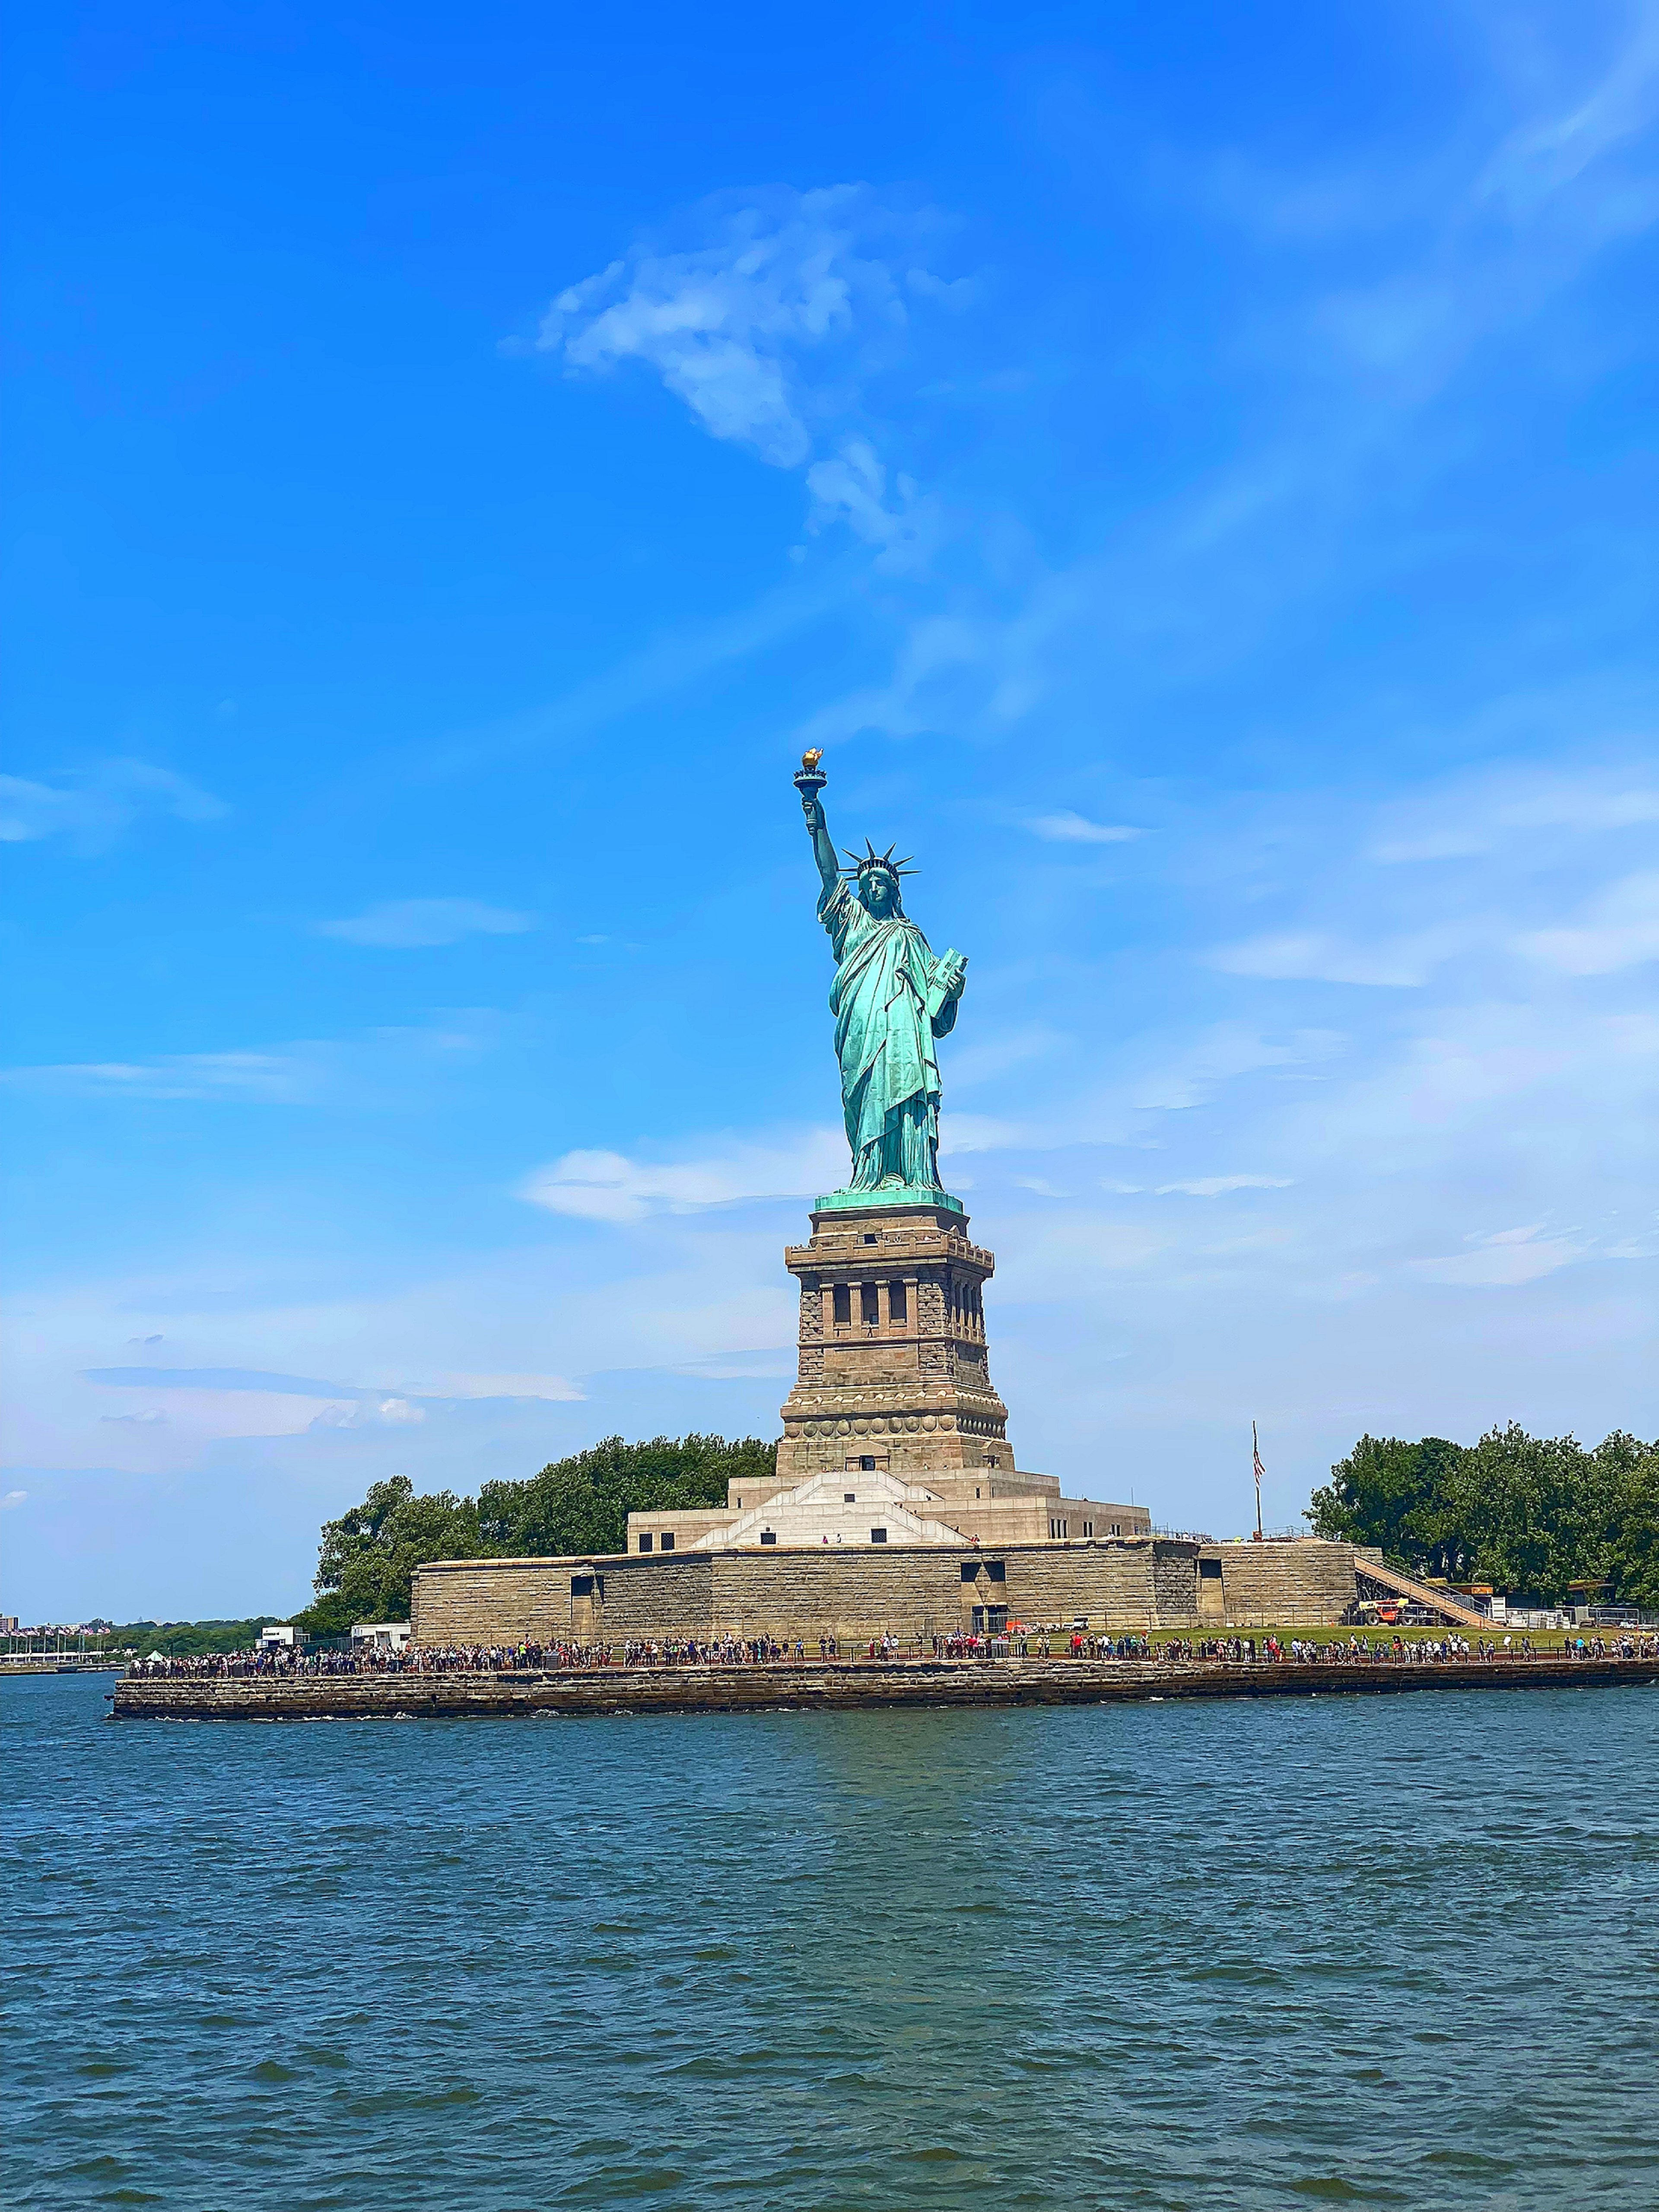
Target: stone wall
{"points": [[609, 1690], [504, 1600], [1303, 1583], [1111, 1585], [852, 1593]]}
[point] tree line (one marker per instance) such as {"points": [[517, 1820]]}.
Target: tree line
{"points": [[367, 1557], [186, 1639], [1531, 1515]]}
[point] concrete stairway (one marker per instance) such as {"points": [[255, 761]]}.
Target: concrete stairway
{"points": [[1454, 1609]]}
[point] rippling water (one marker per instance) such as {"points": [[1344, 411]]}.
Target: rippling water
{"points": [[1391, 1951]]}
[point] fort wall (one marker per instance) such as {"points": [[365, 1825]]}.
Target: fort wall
{"points": [[856, 1592], [1302, 1584]]}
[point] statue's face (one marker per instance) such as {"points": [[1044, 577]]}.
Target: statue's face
{"points": [[877, 891]]}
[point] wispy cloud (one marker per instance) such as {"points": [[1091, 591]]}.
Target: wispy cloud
{"points": [[1452, 252], [245, 1401], [768, 326], [1309, 957], [1466, 819], [1067, 828], [1218, 1186], [1503, 1259], [595, 1185], [247, 1078], [411, 924], [1564, 183], [374, 1065], [91, 811], [1619, 929]]}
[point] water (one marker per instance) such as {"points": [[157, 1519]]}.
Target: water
{"points": [[1397, 1951]]}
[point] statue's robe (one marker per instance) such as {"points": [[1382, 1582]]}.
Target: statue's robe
{"points": [[887, 1004]]}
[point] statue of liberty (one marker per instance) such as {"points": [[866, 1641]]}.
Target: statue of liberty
{"points": [[892, 996]]}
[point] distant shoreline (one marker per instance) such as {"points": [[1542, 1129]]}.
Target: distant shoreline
{"points": [[851, 1684]]}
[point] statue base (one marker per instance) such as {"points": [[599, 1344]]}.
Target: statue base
{"points": [[889, 1194], [893, 1357]]}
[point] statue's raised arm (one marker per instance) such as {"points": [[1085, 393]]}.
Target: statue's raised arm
{"points": [[809, 783]]}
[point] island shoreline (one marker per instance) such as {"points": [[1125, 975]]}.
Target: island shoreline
{"points": [[844, 1685]]}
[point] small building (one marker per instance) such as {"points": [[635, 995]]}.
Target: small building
{"points": [[280, 1635], [386, 1635]]}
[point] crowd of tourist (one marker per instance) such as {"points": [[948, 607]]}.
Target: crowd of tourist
{"points": [[285, 1662], [1423, 1651], [282, 1662]]}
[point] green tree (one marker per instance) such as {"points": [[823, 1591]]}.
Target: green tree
{"points": [[367, 1557], [582, 1503], [1396, 1495], [1530, 1515], [1520, 1506], [188, 1639], [1627, 1504]]}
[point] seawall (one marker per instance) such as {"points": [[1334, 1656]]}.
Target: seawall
{"points": [[836, 1686]]}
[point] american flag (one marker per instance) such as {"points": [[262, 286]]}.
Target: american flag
{"points": [[1255, 1461]]}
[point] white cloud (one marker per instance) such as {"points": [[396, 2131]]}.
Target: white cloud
{"points": [[977, 1133], [1402, 963], [379, 1066], [1551, 195], [1067, 828], [1503, 1259], [1215, 1186], [1219, 1055], [1619, 929], [1544, 157], [1581, 802], [851, 488], [444, 1384], [725, 325], [768, 332], [595, 1185], [1463, 820], [92, 811], [250, 1077], [12, 1500], [406, 924]]}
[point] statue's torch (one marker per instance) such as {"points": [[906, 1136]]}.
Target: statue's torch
{"points": [[810, 778]]}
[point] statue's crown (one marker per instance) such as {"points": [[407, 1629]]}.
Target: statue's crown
{"points": [[866, 862]]}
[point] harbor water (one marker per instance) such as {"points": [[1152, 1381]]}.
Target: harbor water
{"points": [[1391, 1951]]}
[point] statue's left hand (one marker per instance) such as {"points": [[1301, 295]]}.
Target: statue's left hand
{"points": [[955, 974]]}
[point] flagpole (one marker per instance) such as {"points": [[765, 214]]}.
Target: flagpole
{"points": [[1255, 1461]]}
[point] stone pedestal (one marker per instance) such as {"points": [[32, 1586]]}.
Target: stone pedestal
{"points": [[893, 1375]]}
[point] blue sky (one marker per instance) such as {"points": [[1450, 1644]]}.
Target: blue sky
{"points": [[1194, 471]]}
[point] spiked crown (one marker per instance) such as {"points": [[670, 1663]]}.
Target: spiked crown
{"points": [[869, 860]]}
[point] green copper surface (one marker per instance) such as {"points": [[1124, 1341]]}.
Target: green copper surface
{"points": [[892, 997], [886, 1193]]}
